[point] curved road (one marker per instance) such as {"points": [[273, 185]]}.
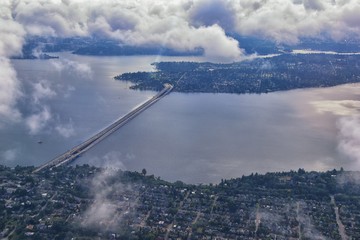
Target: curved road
{"points": [[73, 153]]}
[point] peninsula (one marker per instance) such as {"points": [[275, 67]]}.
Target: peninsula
{"points": [[260, 75]]}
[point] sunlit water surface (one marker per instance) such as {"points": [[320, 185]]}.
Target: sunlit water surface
{"points": [[196, 138]]}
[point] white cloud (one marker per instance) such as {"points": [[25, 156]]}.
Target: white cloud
{"points": [[38, 121], [11, 40], [349, 139], [82, 70], [107, 211], [185, 24], [66, 130], [12, 37], [42, 90], [337, 107], [68, 91], [113, 160], [9, 91], [131, 22], [9, 155], [100, 213], [211, 12]]}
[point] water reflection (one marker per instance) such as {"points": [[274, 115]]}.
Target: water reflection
{"points": [[190, 137], [206, 137]]}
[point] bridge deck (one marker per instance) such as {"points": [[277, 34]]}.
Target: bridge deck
{"points": [[76, 151]]}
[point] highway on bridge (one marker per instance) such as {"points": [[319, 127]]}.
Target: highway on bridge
{"points": [[76, 151]]}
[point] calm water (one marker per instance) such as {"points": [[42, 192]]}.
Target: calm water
{"points": [[190, 137]]}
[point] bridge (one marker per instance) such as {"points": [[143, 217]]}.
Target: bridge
{"points": [[76, 151]]}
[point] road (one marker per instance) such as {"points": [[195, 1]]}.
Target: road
{"points": [[341, 227], [76, 151]]}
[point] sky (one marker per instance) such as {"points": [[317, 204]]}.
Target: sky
{"points": [[176, 24]]}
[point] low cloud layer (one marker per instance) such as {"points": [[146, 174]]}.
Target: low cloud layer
{"points": [[38, 121], [11, 41], [9, 155], [9, 91], [42, 89], [66, 130], [349, 139], [187, 24], [337, 107], [110, 205], [81, 70], [348, 127], [308, 229]]}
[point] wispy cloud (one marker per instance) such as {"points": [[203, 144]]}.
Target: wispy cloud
{"points": [[11, 41], [42, 89], [38, 121], [9, 155], [108, 211], [149, 22], [66, 130], [349, 139], [308, 230], [9, 91], [348, 126], [337, 107], [82, 70]]}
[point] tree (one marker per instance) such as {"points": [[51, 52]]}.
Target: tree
{"points": [[301, 171], [143, 171]]}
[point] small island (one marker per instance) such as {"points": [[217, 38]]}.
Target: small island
{"points": [[260, 75]]}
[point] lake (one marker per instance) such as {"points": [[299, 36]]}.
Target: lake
{"points": [[195, 138]]}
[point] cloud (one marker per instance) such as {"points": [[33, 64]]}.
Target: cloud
{"points": [[308, 230], [11, 41], [211, 12], [37, 52], [288, 21], [9, 91], [349, 139], [348, 125], [38, 116], [337, 107], [108, 211], [9, 155], [50, 17], [348, 177], [131, 22], [38, 121], [82, 70], [113, 159], [66, 130], [68, 91], [180, 25], [313, 5], [186, 24], [42, 90], [12, 35]]}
